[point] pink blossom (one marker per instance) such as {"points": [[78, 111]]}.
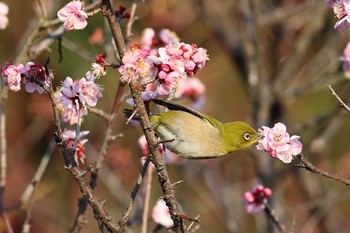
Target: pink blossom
{"points": [[99, 66], [193, 89], [67, 108], [134, 66], [161, 215], [98, 70], [341, 10], [69, 137], [170, 157], [148, 38], [167, 36], [346, 61], [75, 95], [4, 10], [68, 98], [34, 73], [73, 16], [87, 91], [12, 76], [255, 200], [90, 76], [278, 143]]}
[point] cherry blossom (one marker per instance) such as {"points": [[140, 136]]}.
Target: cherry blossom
{"points": [[73, 97], [134, 66], [33, 74], [278, 143], [4, 10], [170, 157], [87, 91], [193, 89], [73, 16], [99, 66], [167, 36], [161, 215], [11, 75], [341, 10], [69, 137], [256, 199]]}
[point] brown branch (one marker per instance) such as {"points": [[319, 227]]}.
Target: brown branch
{"points": [[107, 11], [310, 167], [157, 158], [271, 215], [100, 212]]}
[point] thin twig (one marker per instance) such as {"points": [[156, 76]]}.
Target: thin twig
{"points": [[310, 167], [347, 108], [28, 194], [3, 160], [128, 210], [100, 113], [270, 214], [147, 199], [131, 21]]}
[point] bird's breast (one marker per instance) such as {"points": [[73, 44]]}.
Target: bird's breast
{"points": [[189, 136]]}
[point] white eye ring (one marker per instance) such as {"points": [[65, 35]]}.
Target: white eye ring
{"points": [[246, 136]]}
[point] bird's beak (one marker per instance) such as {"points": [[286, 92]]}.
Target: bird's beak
{"points": [[258, 137]]}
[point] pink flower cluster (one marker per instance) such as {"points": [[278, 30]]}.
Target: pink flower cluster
{"points": [[341, 9], [256, 199], [161, 215], [69, 137], [174, 62], [32, 75], [73, 16], [74, 96], [165, 60], [278, 143], [134, 66]]}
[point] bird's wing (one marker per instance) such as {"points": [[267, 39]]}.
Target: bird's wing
{"points": [[178, 107]]}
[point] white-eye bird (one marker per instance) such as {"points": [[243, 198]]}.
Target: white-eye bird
{"points": [[194, 135]]}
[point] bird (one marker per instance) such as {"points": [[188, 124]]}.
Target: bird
{"points": [[194, 135]]}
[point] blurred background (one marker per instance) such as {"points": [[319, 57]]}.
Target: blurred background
{"points": [[270, 61]]}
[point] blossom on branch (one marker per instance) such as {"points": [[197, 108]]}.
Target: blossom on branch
{"points": [[174, 62], [74, 96], [256, 199], [11, 75], [278, 143], [341, 9], [161, 214], [69, 137], [34, 76], [73, 16], [134, 66]]}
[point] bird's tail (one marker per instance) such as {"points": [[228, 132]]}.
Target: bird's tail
{"points": [[128, 113]]}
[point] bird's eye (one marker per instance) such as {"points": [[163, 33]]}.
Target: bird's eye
{"points": [[246, 136]]}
